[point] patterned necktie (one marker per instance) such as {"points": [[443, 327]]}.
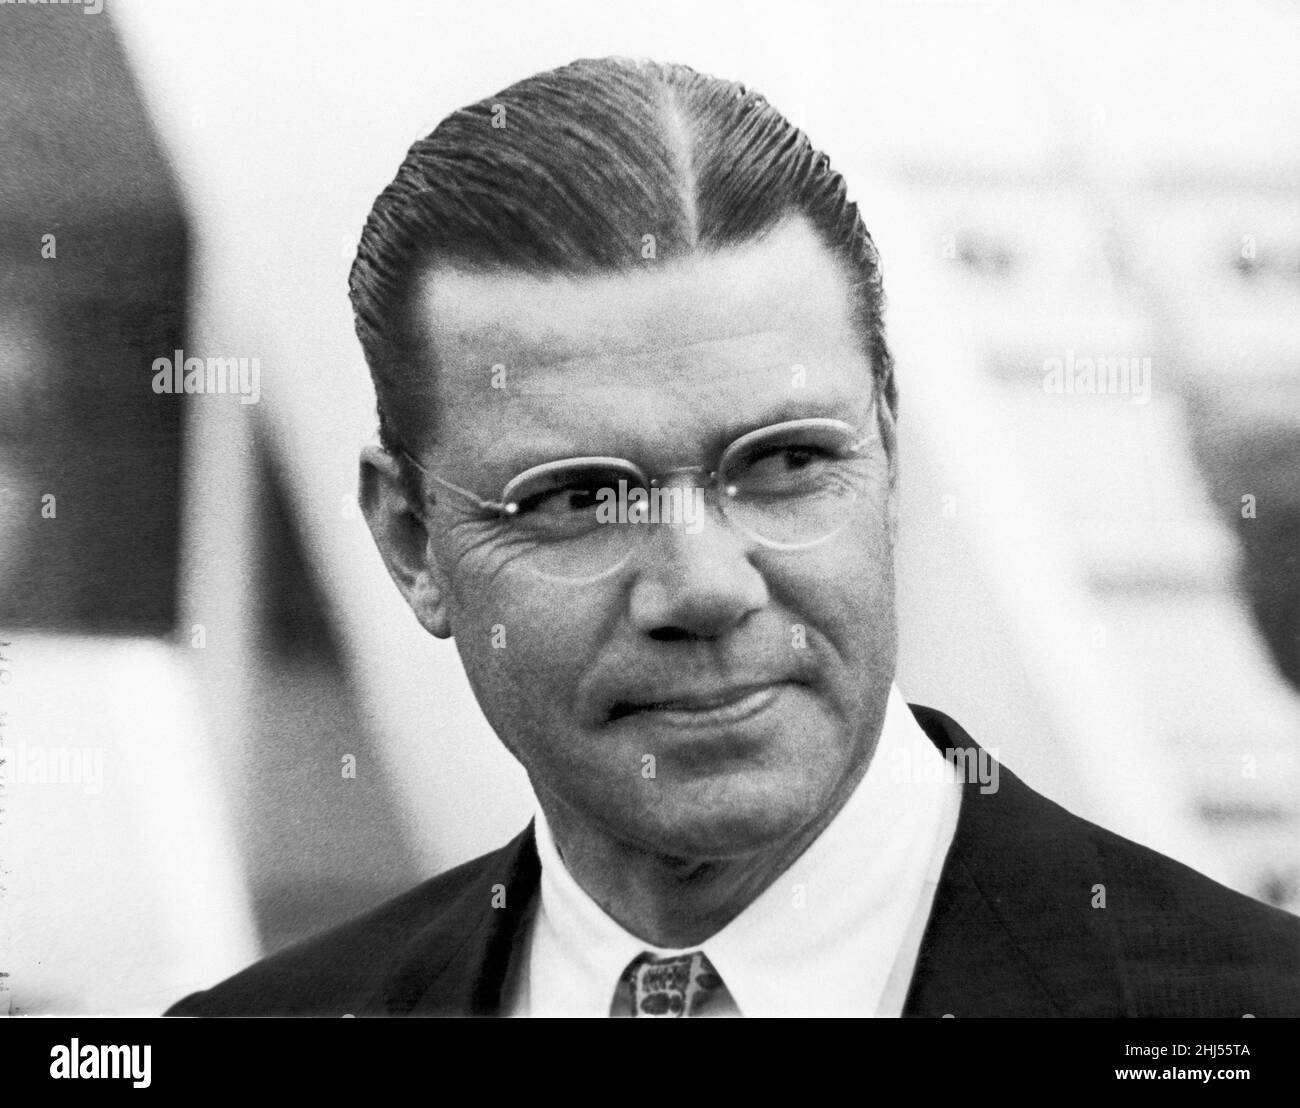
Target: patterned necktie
{"points": [[683, 985]]}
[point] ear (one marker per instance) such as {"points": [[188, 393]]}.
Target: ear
{"points": [[397, 526], [887, 422]]}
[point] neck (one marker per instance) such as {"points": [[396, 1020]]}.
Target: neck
{"points": [[669, 901]]}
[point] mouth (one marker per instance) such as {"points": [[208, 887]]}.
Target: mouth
{"points": [[704, 709]]}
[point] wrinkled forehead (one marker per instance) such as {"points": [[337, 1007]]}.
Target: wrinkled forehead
{"points": [[768, 324]]}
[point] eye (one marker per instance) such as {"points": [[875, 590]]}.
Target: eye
{"points": [[794, 457], [785, 467], [565, 500], [578, 496], [780, 467]]}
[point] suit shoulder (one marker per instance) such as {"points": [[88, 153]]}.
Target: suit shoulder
{"points": [[1153, 893], [1182, 943], [338, 971], [1184, 934]]}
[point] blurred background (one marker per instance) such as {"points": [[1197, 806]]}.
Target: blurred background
{"points": [[222, 728]]}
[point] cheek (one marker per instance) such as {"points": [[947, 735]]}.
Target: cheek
{"points": [[475, 554], [846, 593], [525, 644]]}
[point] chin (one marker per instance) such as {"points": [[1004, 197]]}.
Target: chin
{"points": [[725, 830]]}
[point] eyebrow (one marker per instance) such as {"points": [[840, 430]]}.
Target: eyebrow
{"points": [[849, 409], [839, 406]]}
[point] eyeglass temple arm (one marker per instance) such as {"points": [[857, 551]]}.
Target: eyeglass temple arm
{"points": [[495, 507]]}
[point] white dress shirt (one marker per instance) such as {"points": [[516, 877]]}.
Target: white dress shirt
{"points": [[837, 934]]}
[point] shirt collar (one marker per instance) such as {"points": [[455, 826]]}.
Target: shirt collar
{"points": [[836, 933]]}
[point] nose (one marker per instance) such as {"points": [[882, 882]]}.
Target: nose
{"points": [[691, 586]]}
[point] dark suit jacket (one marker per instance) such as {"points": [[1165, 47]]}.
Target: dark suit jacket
{"points": [[1013, 931]]}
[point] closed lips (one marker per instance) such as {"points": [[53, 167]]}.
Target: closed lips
{"points": [[704, 701]]}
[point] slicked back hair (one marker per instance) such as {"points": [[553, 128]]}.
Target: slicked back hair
{"points": [[565, 172]]}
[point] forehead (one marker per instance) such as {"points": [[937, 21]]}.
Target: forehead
{"points": [[582, 364]]}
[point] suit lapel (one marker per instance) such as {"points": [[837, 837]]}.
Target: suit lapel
{"points": [[1013, 931], [461, 962]]}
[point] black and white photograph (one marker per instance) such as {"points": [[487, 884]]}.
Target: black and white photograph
{"points": [[658, 510]]}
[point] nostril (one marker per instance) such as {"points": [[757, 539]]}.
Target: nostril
{"points": [[671, 634]]}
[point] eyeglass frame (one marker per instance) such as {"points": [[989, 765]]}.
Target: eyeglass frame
{"points": [[506, 509]]}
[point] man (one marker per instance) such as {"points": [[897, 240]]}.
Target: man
{"points": [[638, 459]]}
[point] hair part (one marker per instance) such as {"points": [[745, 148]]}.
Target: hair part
{"points": [[565, 172]]}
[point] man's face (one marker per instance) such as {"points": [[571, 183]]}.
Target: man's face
{"points": [[774, 666]]}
